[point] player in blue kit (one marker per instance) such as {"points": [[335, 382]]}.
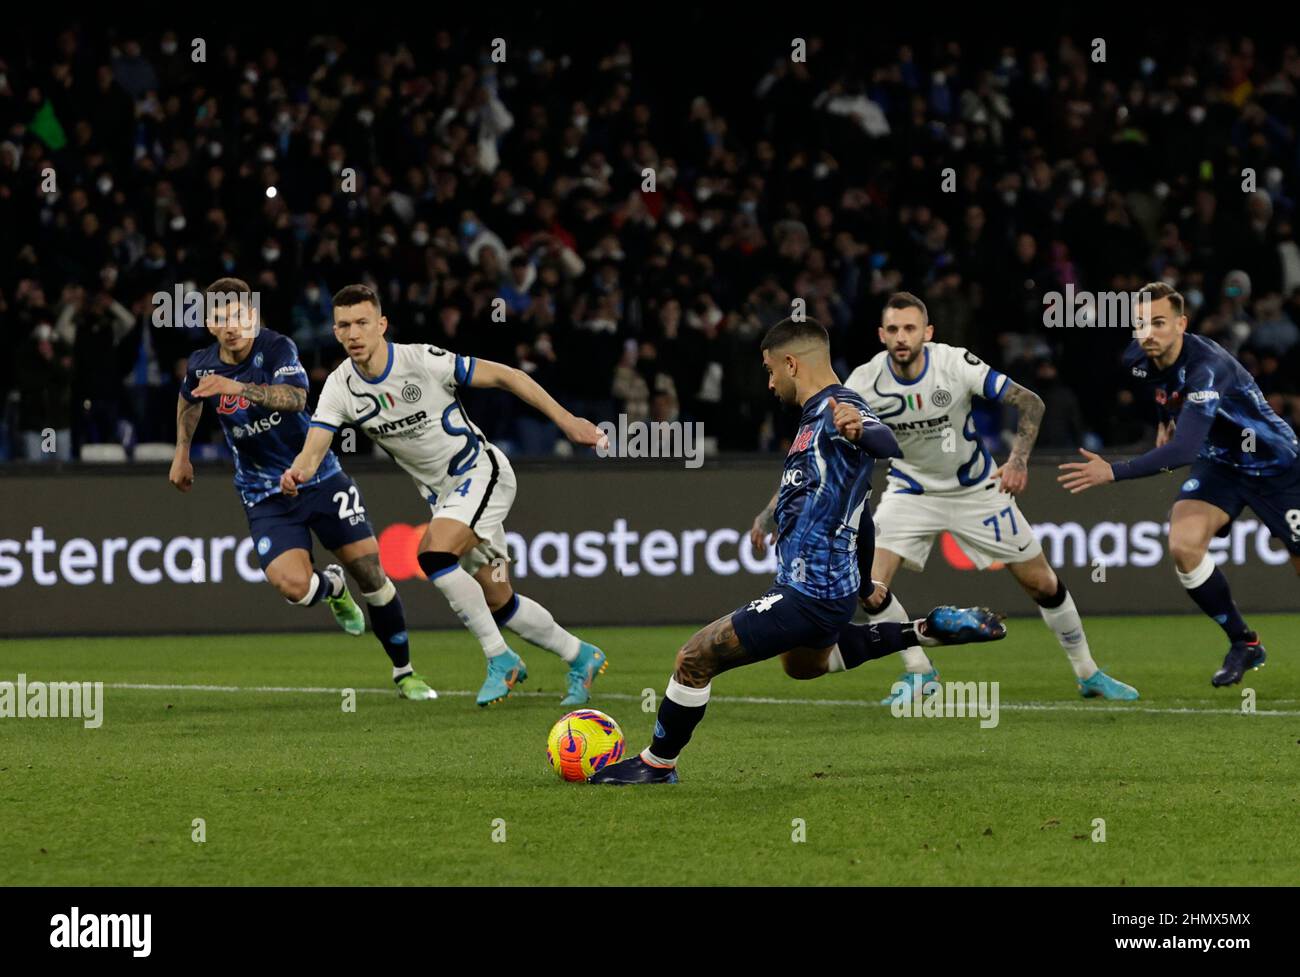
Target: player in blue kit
{"points": [[1212, 416], [824, 551], [259, 390]]}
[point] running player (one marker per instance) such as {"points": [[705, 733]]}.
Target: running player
{"points": [[404, 397], [822, 555], [944, 481], [259, 389], [1213, 417]]}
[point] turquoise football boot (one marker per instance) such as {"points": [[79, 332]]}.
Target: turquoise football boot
{"points": [[582, 672], [1099, 685], [912, 685], [504, 672]]}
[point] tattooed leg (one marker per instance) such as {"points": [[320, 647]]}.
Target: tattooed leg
{"points": [[387, 616], [710, 651]]}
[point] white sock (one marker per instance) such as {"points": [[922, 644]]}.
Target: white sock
{"points": [[466, 598], [404, 670], [835, 663], [914, 659], [382, 596], [1065, 624], [311, 591], [533, 622]]}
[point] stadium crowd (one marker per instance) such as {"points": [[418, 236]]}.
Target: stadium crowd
{"points": [[979, 176]]}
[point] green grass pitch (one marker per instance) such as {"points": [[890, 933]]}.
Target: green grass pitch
{"points": [[293, 790]]}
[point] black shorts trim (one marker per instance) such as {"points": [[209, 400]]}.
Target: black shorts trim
{"points": [[492, 483]]}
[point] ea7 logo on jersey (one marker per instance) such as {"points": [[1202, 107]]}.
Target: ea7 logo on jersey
{"points": [[802, 440], [1139, 372], [230, 403], [1202, 396]]}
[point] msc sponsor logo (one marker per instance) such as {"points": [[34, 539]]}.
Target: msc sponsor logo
{"points": [[792, 476], [260, 426]]}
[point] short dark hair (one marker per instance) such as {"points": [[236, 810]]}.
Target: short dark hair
{"points": [[355, 295], [1162, 290], [236, 285], [906, 300], [789, 331]]}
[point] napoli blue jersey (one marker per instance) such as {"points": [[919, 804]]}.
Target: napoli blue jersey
{"points": [[264, 442], [823, 497], [1245, 434]]}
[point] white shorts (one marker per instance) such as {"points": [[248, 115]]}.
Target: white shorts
{"points": [[481, 499], [987, 525]]}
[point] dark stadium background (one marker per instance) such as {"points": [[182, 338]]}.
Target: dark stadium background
{"points": [[1110, 190]]}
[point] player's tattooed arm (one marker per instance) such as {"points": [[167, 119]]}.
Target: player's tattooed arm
{"points": [[276, 396], [1014, 475], [187, 419]]}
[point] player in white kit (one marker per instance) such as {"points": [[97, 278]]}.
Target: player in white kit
{"points": [[404, 397], [945, 482]]}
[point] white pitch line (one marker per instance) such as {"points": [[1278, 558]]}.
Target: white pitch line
{"points": [[740, 699]]}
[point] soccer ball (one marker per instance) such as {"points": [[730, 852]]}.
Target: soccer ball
{"points": [[582, 743]]}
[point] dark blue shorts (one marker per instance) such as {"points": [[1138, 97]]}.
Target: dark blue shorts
{"points": [[1274, 498], [333, 510], [784, 619]]}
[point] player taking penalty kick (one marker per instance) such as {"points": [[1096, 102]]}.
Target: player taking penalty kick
{"points": [[1212, 416], [405, 398], [259, 390], [824, 546]]}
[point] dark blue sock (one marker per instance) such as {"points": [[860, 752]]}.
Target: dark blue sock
{"points": [[866, 642], [323, 589], [673, 728], [388, 621], [506, 611], [1215, 599]]}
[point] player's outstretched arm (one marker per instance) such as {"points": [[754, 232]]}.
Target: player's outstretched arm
{"points": [[764, 526], [1014, 475], [272, 396], [187, 419], [1192, 429], [579, 430], [309, 458]]}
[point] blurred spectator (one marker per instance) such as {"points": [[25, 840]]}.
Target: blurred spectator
{"points": [[45, 391]]}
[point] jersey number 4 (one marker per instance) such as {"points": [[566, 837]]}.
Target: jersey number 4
{"points": [[995, 522]]}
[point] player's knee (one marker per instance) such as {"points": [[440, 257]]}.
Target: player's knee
{"points": [[696, 664], [368, 572], [436, 563], [1187, 549], [293, 587]]}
